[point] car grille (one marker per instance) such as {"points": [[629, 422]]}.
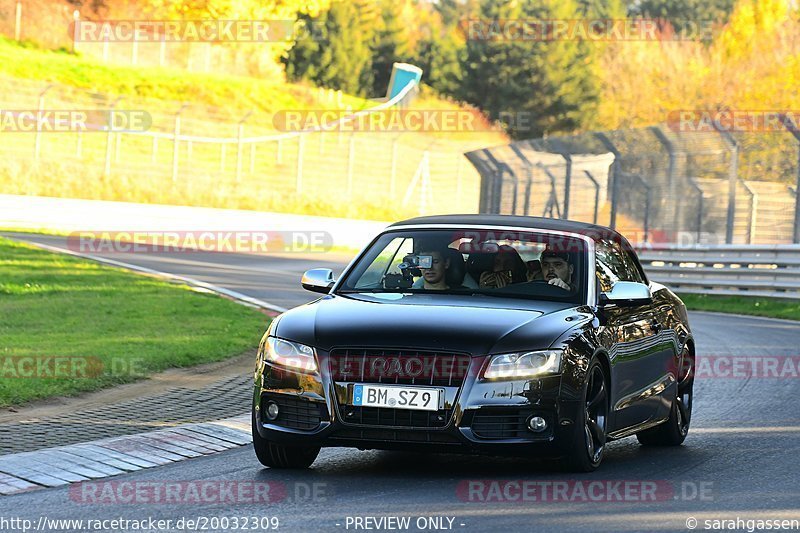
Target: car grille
{"points": [[371, 434], [406, 367], [295, 413], [506, 424], [385, 416]]}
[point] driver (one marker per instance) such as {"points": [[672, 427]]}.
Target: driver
{"points": [[556, 269]]}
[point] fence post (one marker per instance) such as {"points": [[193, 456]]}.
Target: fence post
{"points": [[567, 182], [18, 22], [175, 142], [393, 173], [552, 201], [603, 138], [105, 42], [110, 137], [796, 233], [76, 18], [791, 127], [699, 191], [300, 144], [596, 193], [252, 158], [37, 140], [239, 147], [499, 185], [459, 163], [351, 157], [673, 201], [751, 223], [647, 199], [487, 175], [733, 174], [528, 176], [162, 51]]}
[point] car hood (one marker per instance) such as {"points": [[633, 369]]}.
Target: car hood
{"points": [[467, 324]]}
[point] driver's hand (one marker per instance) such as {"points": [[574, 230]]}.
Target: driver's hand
{"points": [[558, 282]]}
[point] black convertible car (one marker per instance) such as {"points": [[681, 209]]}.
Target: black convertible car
{"points": [[478, 334]]}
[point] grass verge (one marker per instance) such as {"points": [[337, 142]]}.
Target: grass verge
{"points": [[69, 326], [744, 305]]}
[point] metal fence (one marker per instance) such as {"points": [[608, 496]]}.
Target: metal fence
{"points": [[193, 155], [743, 270], [654, 184]]}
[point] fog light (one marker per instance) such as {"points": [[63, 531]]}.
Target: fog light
{"points": [[537, 424], [272, 410]]}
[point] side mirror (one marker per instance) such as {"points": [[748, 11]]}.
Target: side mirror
{"points": [[318, 280], [627, 294]]}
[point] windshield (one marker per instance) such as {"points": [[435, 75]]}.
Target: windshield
{"points": [[487, 262]]}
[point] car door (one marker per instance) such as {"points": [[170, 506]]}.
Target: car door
{"points": [[634, 342]]}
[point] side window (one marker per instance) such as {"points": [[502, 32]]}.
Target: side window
{"points": [[612, 265], [632, 266], [406, 247], [389, 258]]}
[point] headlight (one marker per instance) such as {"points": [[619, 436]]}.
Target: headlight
{"points": [[290, 354], [523, 364]]}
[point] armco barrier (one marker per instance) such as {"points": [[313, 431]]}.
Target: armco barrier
{"points": [[751, 270]]}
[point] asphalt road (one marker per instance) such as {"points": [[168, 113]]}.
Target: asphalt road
{"points": [[740, 461]]}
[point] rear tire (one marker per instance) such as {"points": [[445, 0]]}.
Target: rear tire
{"points": [[276, 455], [674, 431], [589, 438]]}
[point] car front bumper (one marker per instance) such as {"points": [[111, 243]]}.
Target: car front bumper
{"points": [[479, 416]]}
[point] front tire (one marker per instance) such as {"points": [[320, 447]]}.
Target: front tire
{"points": [[674, 431], [589, 438], [276, 455]]}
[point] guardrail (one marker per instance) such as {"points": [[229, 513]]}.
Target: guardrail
{"points": [[753, 270]]}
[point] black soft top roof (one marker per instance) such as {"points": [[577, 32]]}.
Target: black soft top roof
{"points": [[554, 224]]}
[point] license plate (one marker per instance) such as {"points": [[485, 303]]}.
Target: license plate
{"points": [[396, 397]]}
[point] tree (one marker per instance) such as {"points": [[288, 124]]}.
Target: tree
{"points": [[684, 15], [338, 55], [602, 9], [454, 11], [547, 86], [391, 44], [440, 56]]}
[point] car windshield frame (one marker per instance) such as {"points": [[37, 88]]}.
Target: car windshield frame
{"points": [[585, 296]]}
